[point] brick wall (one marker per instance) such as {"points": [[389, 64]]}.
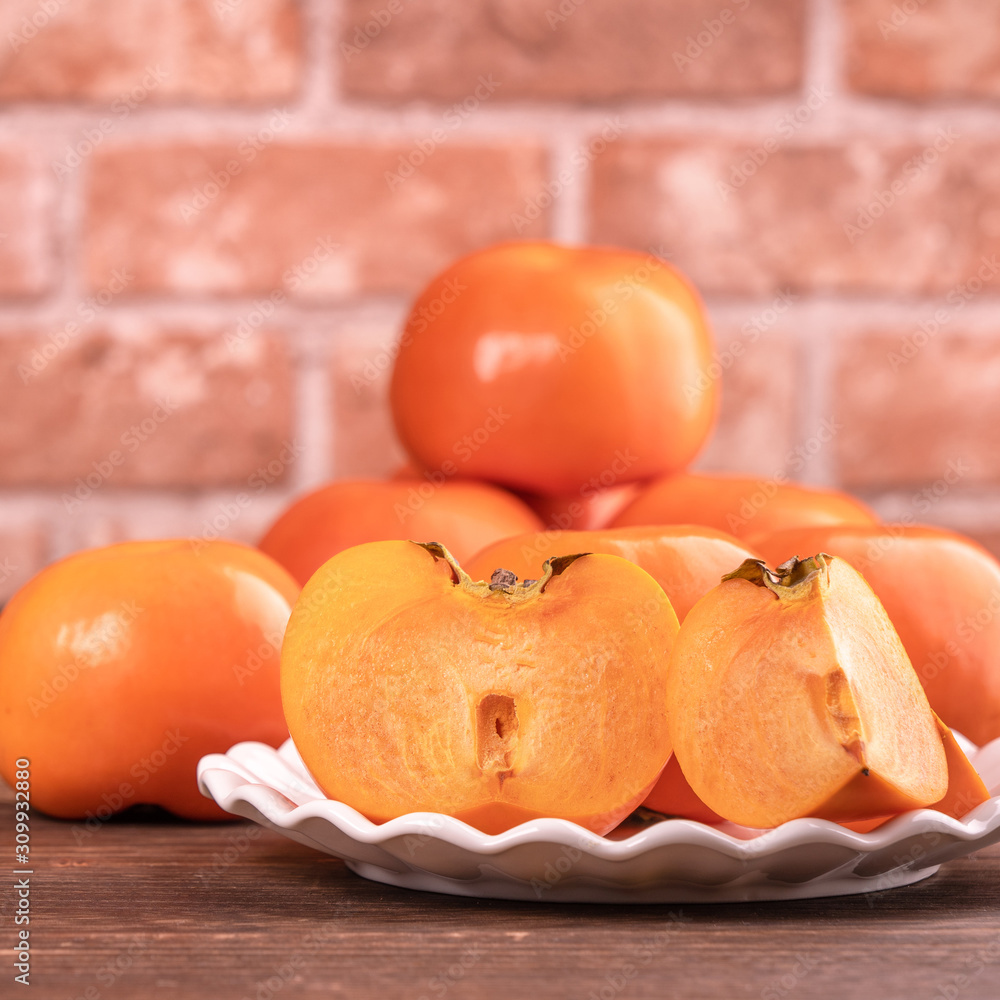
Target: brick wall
{"points": [[214, 212]]}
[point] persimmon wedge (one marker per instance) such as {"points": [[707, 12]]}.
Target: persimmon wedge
{"points": [[942, 592], [409, 687], [686, 560], [789, 694]]}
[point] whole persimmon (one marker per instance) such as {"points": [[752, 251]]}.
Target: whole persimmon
{"points": [[746, 507], [408, 687], [588, 510], [464, 516], [789, 694], [546, 367], [941, 591], [686, 560], [121, 667]]}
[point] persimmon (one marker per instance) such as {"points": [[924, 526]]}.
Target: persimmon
{"points": [[789, 694], [748, 508], [686, 560], [465, 516], [545, 367], [942, 593], [409, 687], [588, 510], [121, 667]]}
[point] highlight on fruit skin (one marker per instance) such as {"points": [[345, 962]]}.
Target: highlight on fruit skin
{"points": [[748, 508], [409, 687], [558, 365], [686, 560], [466, 515], [122, 666], [790, 695], [941, 591]]}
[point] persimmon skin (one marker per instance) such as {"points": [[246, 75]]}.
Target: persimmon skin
{"points": [[121, 667], [796, 698], [590, 510], [941, 591], [464, 516], [686, 560], [407, 687], [542, 365], [745, 507]]}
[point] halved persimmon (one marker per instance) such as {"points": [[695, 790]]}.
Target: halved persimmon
{"points": [[686, 560], [408, 687], [789, 695]]}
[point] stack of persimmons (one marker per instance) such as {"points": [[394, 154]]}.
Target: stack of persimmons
{"points": [[543, 614]]}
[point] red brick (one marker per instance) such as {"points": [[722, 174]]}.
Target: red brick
{"points": [[917, 410], [787, 225], [25, 224], [588, 50], [364, 440], [281, 207], [157, 50], [207, 412], [22, 554], [924, 49], [756, 429]]}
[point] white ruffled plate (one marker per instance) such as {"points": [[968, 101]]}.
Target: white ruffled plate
{"points": [[671, 861]]}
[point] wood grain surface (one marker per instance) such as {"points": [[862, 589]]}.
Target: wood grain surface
{"points": [[147, 907]]}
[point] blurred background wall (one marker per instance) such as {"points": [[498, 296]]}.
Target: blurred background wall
{"points": [[213, 214]]}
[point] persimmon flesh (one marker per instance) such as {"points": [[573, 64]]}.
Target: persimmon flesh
{"points": [[790, 694], [409, 687], [686, 560], [942, 594]]}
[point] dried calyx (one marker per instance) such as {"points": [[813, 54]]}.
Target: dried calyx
{"points": [[503, 581], [792, 579]]}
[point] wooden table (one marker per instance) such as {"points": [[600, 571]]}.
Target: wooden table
{"points": [[148, 908]]}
